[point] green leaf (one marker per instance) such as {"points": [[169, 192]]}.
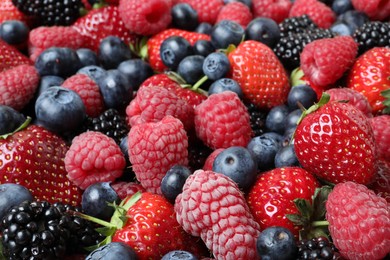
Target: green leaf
{"points": [[20, 128], [386, 102], [296, 77], [297, 219], [319, 199], [304, 208], [106, 231]]}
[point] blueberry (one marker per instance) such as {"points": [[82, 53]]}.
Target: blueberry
{"points": [[272, 135], [288, 135], [276, 243], [264, 30], [292, 119], [10, 119], [353, 18], [96, 198], [49, 81], [237, 163], [216, 65], [60, 110], [96, 73], [173, 181], [264, 149], [301, 94], [173, 50], [227, 32], [112, 51], [190, 68], [226, 84], [116, 90], [12, 194], [113, 251], [203, 48], [179, 255], [87, 57], [184, 17], [276, 119], [286, 157], [341, 6], [341, 28], [14, 32], [136, 71], [204, 28], [58, 61]]}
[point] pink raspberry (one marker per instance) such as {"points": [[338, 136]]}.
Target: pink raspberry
{"points": [[277, 10], [126, 189], [237, 12], [321, 14], [222, 120], [381, 127], [207, 10], [93, 157], [154, 148], [353, 97]]}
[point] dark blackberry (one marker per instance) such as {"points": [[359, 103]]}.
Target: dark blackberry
{"points": [[51, 12], [317, 248], [372, 34], [257, 119], [110, 123], [197, 154], [296, 24]]}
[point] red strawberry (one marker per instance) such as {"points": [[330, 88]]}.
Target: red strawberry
{"points": [[222, 120], [208, 165], [358, 221], [374, 9], [253, 64], [145, 17], [331, 140], [321, 14], [212, 207], [370, 75], [273, 194], [277, 10], [381, 126], [34, 158], [237, 12], [100, 23], [11, 56], [154, 43], [8, 11], [324, 61], [127, 189], [207, 10], [154, 148], [93, 157]]}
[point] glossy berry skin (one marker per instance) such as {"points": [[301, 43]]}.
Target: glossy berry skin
{"points": [[226, 32], [173, 50], [47, 82], [225, 84], [292, 119], [263, 29], [277, 243], [173, 181], [301, 95], [12, 194], [341, 6], [112, 51], [204, 28], [87, 57], [184, 17], [190, 68], [353, 19], [216, 65], [15, 33], [95, 72], [286, 157], [264, 148], [10, 119], [179, 255], [96, 198], [136, 71], [237, 163], [203, 47], [276, 119], [112, 251], [60, 110]]}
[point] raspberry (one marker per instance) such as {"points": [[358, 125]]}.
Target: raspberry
{"points": [[381, 125], [277, 10], [222, 120], [154, 148], [381, 183], [358, 221], [374, 9], [93, 157], [207, 10], [237, 12], [127, 189], [321, 14], [353, 97], [208, 164]]}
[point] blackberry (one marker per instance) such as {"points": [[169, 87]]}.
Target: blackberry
{"points": [[298, 24], [51, 12], [197, 154], [257, 119], [110, 123], [372, 34], [317, 248]]}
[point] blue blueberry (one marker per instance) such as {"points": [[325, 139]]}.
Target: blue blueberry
{"points": [[173, 181], [288, 135], [264, 149], [227, 32], [60, 110], [190, 68], [116, 89], [49, 81], [301, 95], [341, 28], [286, 157], [173, 50], [179, 255], [264, 30], [292, 119], [276, 243], [95, 72], [87, 57], [216, 65], [205, 28], [353, 18], [237, 163], [276, 119], [226, 84], [113, 251], [12, 194], [136, 71], [341, 6], [112, 51], [14, 32], [277, 137], [203, 48], [58, 61], [10, 119], [96, 198], [184, 17]]}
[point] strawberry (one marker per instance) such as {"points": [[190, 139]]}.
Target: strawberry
{"points": [[34, 158], [381, 125], [207, 10], [358, 221], [11, 56], [277, 10], [370, 75], [332, 138], [374, 9], [237, 12], [8, 11], [321, 14], [273, 194], [253, 64]]}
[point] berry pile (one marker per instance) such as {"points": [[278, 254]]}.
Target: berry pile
{"points": [[196, 129]]}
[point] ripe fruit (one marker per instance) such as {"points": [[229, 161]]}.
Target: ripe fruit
{"points": [[276, 10], [11, 56], [321, 14], [380, 125], [237, 12], [12, 194], [374, 9], [116, 249]]}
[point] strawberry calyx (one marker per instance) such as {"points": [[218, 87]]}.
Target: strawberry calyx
{"points": [[196, 87], [325, 97], [140, 48], [386, 102], [20, 128]]}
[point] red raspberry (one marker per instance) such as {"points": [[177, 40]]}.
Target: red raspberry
{"points": [[374, 9], [89, 92], [237, 12], [154, 148], [358, 221], [213, 207], [126, 189], [208, 164], [277, 10], [207, 10], [353, 97], [145, 17], [152, 103], [381, 126], [93, 157], [11, 56], [18, 85], [324, 61], [222, 120], [321, 14]]}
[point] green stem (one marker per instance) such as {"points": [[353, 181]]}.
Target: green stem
{"points": [[199, 83], [320, 223], [95, 220]]}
